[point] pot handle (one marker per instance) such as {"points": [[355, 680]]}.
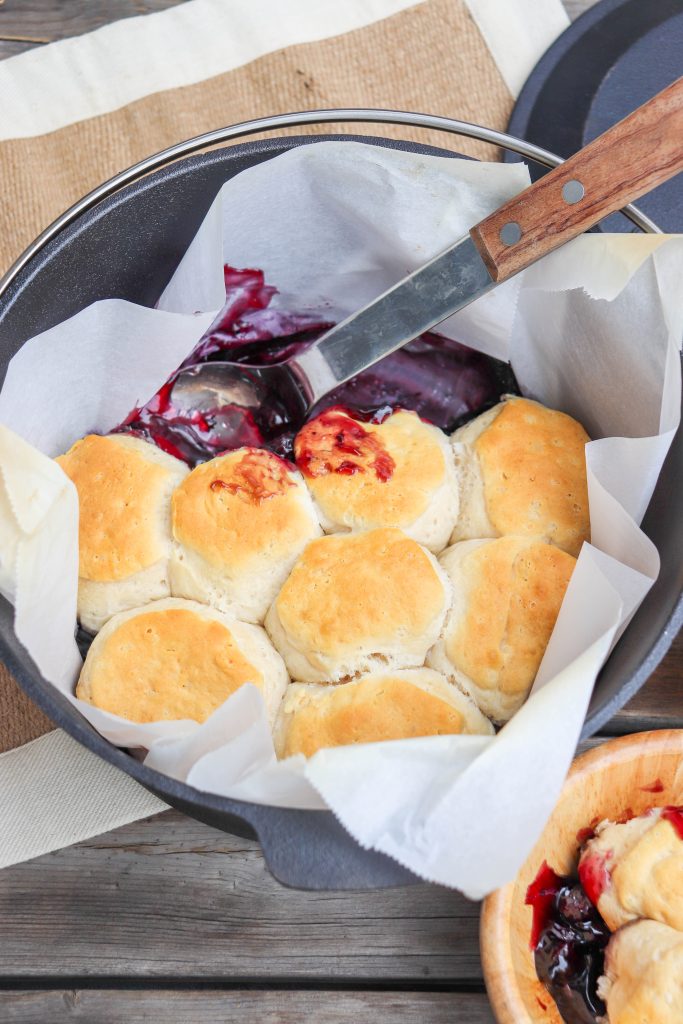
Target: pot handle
{"points": [[625, 162], [312, 850]]}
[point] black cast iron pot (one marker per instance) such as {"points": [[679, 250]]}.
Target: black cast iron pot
{"points": [[128, 246]]}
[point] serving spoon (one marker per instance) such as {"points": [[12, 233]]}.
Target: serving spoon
{"points": [[636, 155]]}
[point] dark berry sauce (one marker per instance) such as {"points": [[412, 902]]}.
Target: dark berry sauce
{"points": [[584, 834], [594, 874], [674, 815], [568, 939], [443, 381], [654, 787]]}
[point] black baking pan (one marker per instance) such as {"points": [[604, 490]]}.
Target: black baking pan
{"points": [[128, 246], [612, 59]]}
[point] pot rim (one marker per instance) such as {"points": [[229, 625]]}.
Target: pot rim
{"points": [[266, 821], [293, 120]]}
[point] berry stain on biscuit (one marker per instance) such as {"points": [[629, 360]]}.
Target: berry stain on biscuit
{"points": [[335, 442], [258, 476]]}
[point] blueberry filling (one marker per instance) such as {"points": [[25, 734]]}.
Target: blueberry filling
{"points": [[568, 939], [443, 381]]}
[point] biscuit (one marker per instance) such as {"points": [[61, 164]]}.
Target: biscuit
{"points": [[399, 472], [635, 869], [175, 659], [124, 490], [522, 470], [643, 980], [356, 602], [376, 707], [507, 596], [239, 523]]}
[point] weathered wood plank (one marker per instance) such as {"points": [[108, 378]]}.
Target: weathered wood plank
{"points": [[267, 1007], [659, 705], [47, 20], [10, 48], [41, 21], [168, 897]]}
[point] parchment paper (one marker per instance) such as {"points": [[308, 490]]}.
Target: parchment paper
{"points": [[593, 329]]}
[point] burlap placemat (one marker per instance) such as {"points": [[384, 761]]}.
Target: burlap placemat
{"points": [[20, 719], [431, 58]]}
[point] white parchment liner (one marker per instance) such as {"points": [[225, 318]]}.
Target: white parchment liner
{"points": [[594, 330]]}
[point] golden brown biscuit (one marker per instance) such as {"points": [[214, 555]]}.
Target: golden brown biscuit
{"points": [[399, 472], [635, 869], [522, 470], [124, 490], [643, 980], [240, 522], [177, 659], [507, 596], [376, 707], [356, 602]]}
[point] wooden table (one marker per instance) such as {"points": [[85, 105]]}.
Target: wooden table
{"points": [[168, 919]]}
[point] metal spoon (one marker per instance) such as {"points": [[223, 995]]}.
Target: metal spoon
{"points": [[629, 159]]}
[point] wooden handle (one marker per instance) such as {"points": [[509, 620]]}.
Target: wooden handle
{"points": [[632, 158]]}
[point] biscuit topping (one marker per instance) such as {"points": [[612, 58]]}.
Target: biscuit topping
{"points": [[257, 476], [120, 489], [334, 442], [167, 664]]}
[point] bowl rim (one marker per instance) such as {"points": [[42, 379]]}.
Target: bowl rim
{"points": [[494, 933]]}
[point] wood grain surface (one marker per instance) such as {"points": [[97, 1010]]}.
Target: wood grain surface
{"points": [[170, 898], [659, 704], [25, 24], [168, 919], [227, 1005]]}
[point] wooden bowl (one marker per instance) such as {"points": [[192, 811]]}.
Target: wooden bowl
{"points": [[614, 779]]}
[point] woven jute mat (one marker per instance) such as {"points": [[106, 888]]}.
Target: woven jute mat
{"points": [[429, 58]]}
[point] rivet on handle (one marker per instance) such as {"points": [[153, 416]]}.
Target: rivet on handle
{"points": [[573, 191], [510, 233]]}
